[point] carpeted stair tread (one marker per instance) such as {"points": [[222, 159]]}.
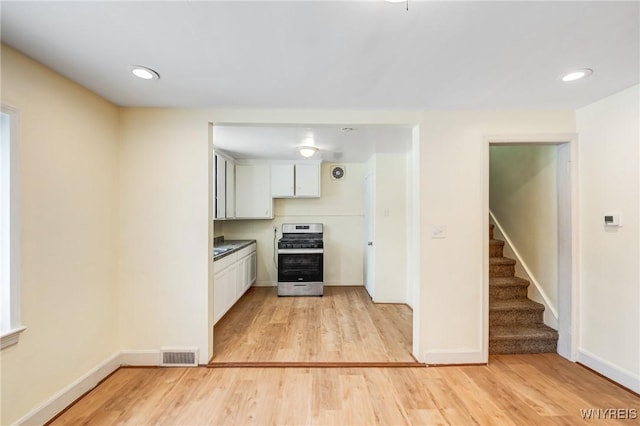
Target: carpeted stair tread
{"points": [[533, 331], [515, 322], [508, 282], [515, 304], [501, 261]]}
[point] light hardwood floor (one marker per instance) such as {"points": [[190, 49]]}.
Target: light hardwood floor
{"points": [[541, 389], [342, 326]]}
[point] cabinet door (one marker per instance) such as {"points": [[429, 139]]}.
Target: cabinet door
{"points": [[224, 291], [221, 187], [282, 181], [231, 190], [253, 268], [253, 192], [242, 277], [218, 296], [307, 180], [230, 287]]}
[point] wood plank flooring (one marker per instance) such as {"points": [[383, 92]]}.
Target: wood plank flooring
{"points": [[342, 326], [540, 389]]}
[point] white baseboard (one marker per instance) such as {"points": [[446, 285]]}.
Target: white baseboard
{"points": [[140, 358], [345, 284], [617, 374], [65, 397], [462, 356], [328, 284]]}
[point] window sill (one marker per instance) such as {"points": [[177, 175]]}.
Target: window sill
{"points": [[10, 337]]}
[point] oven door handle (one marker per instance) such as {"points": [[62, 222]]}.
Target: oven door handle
{"points": [[300, 251]]}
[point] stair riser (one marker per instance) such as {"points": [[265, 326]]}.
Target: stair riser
{"points": [[515, 317], [512, 292], [491, 232], [501, 270], [495, 250], [523, 346]]}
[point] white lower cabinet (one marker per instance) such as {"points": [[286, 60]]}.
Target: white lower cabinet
{"points": [[233, 275]]}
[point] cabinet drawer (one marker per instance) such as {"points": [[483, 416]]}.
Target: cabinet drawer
{"points": [[247, 251], [225, 262]]}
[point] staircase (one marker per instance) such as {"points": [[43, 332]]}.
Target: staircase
{"points": [[515, 322]]}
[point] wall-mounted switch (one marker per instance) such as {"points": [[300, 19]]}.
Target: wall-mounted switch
{"points": [[612, 219], [438, 231]]}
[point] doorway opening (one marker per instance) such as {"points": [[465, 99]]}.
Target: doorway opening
{"points": [[340, 209], [531, 198]]}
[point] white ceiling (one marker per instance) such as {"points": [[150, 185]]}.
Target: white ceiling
{"points": [[335, 55]]}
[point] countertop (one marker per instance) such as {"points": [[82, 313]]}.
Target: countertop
{"points": [[229, 246]]}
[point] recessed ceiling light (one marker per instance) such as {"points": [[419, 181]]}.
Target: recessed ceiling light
{"points": [[577, 74], [144, 73]]}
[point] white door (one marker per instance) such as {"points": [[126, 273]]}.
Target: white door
{"points": [[369, 248]]}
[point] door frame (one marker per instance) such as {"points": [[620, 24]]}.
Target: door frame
{"points": [[370, 253], [568, 332]]}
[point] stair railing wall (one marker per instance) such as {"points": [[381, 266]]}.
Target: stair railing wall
{"points": [[536, 292]]}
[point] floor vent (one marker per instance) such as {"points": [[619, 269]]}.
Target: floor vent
{"points": [[178, 357]]}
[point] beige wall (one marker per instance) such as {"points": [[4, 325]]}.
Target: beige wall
{"points": [[454, 172], [339, 208], [609, 132], [68, 143], [523, 197], [165, 237]]}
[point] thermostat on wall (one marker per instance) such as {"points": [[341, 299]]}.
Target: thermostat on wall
{"points": [[612, 219]]}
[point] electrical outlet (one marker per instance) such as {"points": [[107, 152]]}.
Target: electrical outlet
{"points": [[438, 231]]}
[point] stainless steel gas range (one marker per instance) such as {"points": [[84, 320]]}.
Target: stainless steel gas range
{"points": [[301, 260]]}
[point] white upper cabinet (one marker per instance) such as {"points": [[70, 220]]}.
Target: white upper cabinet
{"points": [[231, 190], [253, 191], [282, 180], [224, 205], [307, 180], [220, 185], [295, 180]]}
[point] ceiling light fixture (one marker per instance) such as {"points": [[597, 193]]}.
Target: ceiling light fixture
{"points": [[307, 151], [144, 73], [399, 1], [577, 74]]}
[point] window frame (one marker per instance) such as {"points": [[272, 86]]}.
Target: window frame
{"points": [[10, 336]]}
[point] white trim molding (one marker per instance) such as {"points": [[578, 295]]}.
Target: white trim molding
{"points": [[460, 356], [11, 249], [568, 304], [66, 396], [150, 357], [11, 337], [619, 375]]}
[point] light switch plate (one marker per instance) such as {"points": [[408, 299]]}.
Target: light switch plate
{"points": [[438, 231]]}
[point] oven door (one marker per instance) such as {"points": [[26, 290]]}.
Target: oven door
{"points": [[300, 265]]}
